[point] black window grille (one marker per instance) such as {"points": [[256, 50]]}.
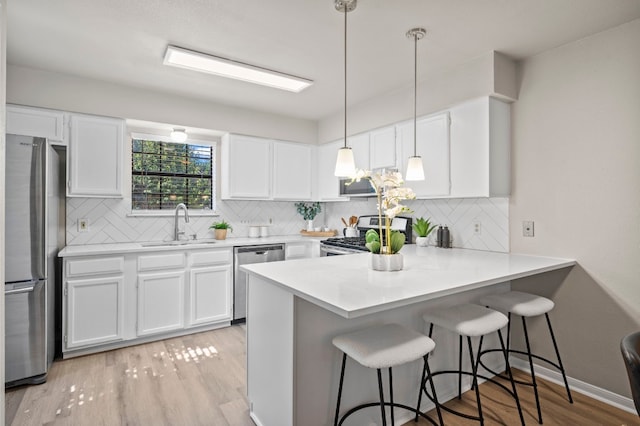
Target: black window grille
{"points": [[165, 174]]}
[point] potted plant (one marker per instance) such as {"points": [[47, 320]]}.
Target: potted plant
{"points": [[220, 229], [423, 228], [309, 211], [384, 244]]}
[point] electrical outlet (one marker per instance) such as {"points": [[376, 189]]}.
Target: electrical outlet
{"points": [[527, 228], [83, 225], [477, 227]]}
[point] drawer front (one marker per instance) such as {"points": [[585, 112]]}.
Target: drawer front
{"points": [[210, 257], [161, 261], [94, 266]]}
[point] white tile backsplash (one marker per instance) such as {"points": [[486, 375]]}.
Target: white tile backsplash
{"points": [[110, 220], [459, 214]]}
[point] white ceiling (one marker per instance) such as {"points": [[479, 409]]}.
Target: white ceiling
{"points": [[124, 41]]}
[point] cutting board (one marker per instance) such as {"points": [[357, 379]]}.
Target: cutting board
{"points": [[330, 233]]}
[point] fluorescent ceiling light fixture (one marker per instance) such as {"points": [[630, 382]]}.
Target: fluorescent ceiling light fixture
{"points": [[196, 61], [178, 135]]}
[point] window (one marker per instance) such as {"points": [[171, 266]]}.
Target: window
{"points": [[164, 174]]}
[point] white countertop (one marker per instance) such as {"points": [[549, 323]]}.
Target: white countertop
{"points": [[346, 286], [123, 248]]}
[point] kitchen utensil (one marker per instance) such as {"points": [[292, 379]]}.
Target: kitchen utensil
{"points": [[353, 220], [350, 232], [344, 221]]}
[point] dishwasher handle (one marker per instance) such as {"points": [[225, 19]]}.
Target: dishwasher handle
{"points": [[262, 249]]}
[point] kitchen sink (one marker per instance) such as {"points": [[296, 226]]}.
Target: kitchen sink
{"points": [[177, 243]]}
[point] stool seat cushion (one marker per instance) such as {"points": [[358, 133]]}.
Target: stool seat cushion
{"points": [[519, 303], [467, 319], [384, 346]]}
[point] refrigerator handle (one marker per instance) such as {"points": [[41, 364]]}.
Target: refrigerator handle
{"points": [[24, 289]]}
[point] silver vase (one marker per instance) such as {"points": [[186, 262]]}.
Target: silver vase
{"points": [[386, 262]]}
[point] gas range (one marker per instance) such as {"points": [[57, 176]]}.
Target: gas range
{"points": [[348, 245]]}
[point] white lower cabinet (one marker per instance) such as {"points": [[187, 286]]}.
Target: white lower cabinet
{"points": [[160, 302], [95, 311], [114, 301], [302, 250], [209, 294]]}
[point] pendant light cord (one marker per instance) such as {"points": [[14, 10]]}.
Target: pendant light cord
{"points": [[415, 93], [345, 75]]}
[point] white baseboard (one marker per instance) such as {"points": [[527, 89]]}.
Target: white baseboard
{"points": [[255, 419], [584, 388]]}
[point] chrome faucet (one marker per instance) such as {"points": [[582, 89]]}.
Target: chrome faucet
{"points": [[176, 228]]}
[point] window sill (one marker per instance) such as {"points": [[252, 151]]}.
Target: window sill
{"points": [[171, 213]]}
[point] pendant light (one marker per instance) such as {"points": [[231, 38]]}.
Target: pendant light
{"points": [[345, 165], [415, 170]]}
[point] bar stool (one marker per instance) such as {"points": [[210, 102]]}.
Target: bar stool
{"points": [[381, 347], [527, 305], [468, 320]]}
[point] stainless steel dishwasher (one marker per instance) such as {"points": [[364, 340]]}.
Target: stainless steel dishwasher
{"points": [[247, 255]]}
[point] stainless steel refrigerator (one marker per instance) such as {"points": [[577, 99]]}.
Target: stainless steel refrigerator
{"points": [[32, 219]]}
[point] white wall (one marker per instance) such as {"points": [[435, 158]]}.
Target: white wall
{"points": [[27, 86], [492, 74], [576, 173]]}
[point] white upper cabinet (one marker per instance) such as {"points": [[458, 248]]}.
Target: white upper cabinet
{"points": [[35, 122], [263, 169], [465, 152], [291, 171], [95, 156], [328, 185], [360, 146], [382, 148], [432, 144], [246, 167], [480, 148]]}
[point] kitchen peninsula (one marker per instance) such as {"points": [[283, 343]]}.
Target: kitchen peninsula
{"points": [[295, 309]]}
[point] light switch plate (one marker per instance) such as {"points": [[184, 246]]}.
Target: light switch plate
{"points": [[527, 228]]}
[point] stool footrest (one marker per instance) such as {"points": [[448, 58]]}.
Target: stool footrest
{"points": [[387, 404], [466, 373], [513, 351]]}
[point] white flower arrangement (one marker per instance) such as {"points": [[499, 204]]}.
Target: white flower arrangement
{"points": [[390, 193]]}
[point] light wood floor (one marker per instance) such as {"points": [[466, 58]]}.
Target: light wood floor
{"points": [[200, 380], [499, 408]]}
